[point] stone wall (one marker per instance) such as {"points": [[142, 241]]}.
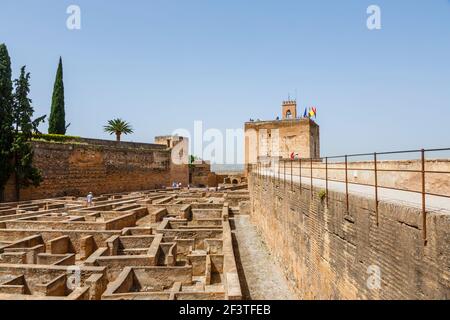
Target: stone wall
{"points": [[76, 168], [329, 253], [201, 175]]}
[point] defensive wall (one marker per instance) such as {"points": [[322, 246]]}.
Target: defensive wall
{"points": [[328, 252], [77, 167]]}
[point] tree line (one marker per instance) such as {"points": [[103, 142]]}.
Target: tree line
{"points": [[17, 125]]}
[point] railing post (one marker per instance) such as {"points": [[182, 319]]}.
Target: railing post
{"points": [[346, 183], [292, 182], [272, 169], [278, 161], [424, 213], [326, 178], [300, 172], [376, 185], [259, 170], [311, 174]]}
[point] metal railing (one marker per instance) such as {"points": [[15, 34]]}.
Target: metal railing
{"points": [[262, 169]]}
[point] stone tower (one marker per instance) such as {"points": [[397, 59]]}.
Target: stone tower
{"points": [[281, 138], [289, 109]]}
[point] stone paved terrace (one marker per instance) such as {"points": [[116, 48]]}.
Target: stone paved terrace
{"points": [[172, 244]]}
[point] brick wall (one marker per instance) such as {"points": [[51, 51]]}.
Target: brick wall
{"points": [[77, 168], [328, 253]]}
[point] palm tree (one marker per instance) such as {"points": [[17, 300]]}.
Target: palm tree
{"points": [[118, 126]]}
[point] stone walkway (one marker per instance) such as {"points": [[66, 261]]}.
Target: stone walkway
{"points": [[261, 277], [433, 203]]}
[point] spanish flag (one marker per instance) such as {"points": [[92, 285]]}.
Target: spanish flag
{"points": [[312, 112]]}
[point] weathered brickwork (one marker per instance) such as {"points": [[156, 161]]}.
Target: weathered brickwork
{"points": [[77, 168], [328, 253]]}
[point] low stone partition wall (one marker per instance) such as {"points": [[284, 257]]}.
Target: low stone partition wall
{"points": [[231, 276], [156, 215], [117, 223], [329, 253], [40, 279], [79, 239], [115, 264], [217, 206], [198, 234], [152, 280], [207, 213]]}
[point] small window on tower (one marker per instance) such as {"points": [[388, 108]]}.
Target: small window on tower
{"points": [[288, 114]]}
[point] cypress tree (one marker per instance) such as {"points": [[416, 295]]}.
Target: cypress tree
{"points": [[57, 120], [25, 173], [6, 129]]}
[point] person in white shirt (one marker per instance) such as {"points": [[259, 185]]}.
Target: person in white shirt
{"points": [[89, 199]]}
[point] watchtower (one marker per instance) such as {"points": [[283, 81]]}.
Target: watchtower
{"points": [[289, 109]]}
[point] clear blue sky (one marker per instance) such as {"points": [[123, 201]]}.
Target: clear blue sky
{"points": [[163, 64]]}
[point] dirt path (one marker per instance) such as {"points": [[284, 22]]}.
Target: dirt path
{"points": [[261, 277]]}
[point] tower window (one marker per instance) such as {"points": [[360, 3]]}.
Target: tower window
{"points": [[288, 114]]}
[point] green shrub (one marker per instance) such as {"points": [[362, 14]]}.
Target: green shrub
{"points": [[55, 137], [322, 194]]}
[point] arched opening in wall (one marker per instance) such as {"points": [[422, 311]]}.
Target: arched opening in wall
{"points": [[288, 114], [235, 181]]}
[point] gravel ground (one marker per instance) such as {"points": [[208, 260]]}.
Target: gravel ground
{"points": [[261, 277]]}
